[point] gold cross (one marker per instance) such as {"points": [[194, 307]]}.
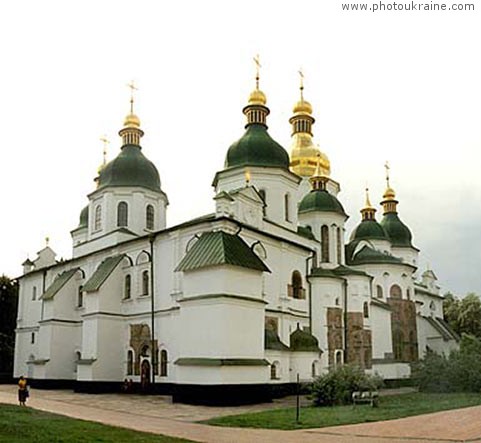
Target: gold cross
{"points": [[104, 152], [301, 74], [386, 165], [133, 88], [258, 66]]}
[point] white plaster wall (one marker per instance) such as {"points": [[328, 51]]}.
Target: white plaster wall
{"points": [[284, 367], [392, 370], [211, 375], [301, 363], [381, 332]]}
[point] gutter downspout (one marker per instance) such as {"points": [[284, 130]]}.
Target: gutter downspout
{"points": [[344, 286], [44, 277], [309, 287], [152, 307]]}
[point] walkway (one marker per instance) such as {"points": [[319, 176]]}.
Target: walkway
{"points": [[158, 415]]}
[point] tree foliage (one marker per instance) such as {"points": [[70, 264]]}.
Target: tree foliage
{"points": [[458, 372], [336, 386], [463, 315], [8, 318]]}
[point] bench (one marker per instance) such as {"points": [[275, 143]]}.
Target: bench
{"points": [[371, 397]]}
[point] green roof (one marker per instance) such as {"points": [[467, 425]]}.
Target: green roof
{"points": [[338, 272], [320, 200], [58, 283], [130, 168], [369, 230], [256, 148], [220, 248], [306, 231], [102, 272], [302, 341], [84, 217], [442, 327], [397, 231], [273, 342], [369, 255]]}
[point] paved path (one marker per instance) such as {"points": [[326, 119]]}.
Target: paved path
{"points": [[158, 415]]}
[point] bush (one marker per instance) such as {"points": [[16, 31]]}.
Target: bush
{"points": [[459, 372], [336, 387]]}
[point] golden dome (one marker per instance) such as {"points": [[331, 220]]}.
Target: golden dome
{"points": [[305, 155], [389, 194], [302, 107], [257, 97], [132, 121]]}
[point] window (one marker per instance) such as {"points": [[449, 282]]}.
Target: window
{"points": [[295, 289], [80, 297], [324, 244], [98, 218], [379, 291], [275, 370], [122, 214], [287, 214], [127, 286], [163, 363], [149, 217], [145, 283], [339, 246], [408, 294], [338, 358], [32, 338], [365, 309], [314, 371], [395, 292], [34, 293], [130, 362], [262, 193]]}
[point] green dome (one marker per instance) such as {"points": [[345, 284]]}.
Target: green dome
{"points": [[303, 341], [320, 200], [369, 230], [397, 231], [130, 168], [256, 148], [369, 255], [84, 217]]}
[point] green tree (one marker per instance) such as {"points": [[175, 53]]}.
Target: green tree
{"points": [[463, 315], [8, 318]]}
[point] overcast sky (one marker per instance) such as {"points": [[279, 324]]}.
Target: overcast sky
{"points": [[392, 85]]}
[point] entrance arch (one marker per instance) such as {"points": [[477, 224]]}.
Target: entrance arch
{"points": [[145, 375]]}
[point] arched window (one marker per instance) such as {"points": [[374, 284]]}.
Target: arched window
{"points": [[365, 309], [163, 363], [145, 283], [122, 214], [34, 293], [80, 297], [324, 244], [98, 218], [379, 291], [408, 294], [339, 246], [338, 358], [395, 292], [149, 217], [32, 338], [287, 214], [295, 289], [262, 193], [130, 362], [275, 370], [314, 370], [127, 286]]}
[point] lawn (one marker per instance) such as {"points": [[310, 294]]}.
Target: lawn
{"points": [[27, 425], [390, 407]]}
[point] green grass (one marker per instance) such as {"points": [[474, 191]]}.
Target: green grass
{"points": [[27, 425], [390, 407]]}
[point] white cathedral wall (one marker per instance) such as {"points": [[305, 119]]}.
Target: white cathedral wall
{"points": [[223, 375], [381, 332], [224, 279], [301, 363], [392, 370], [409, 255], [282, 360]]}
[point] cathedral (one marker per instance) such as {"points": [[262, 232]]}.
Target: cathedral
{"points": [[237, 305]]}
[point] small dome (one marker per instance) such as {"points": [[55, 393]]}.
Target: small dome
{"points": [[398, 233], [257, 97], [84, 217], [305, 155], [320, 200], [389, 194], [302, 107], [130, 168], [369, 230], [256, 148], [132, 121], [303, 341]]}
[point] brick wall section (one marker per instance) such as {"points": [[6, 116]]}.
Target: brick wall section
{"points": [[334, 332], [404, 330], [359, 341]]}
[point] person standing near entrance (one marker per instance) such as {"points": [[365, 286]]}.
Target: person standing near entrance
{"points": [[22, 391]]}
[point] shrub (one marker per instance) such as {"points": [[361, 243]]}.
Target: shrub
{"points": [[336, 386], [459, 372]]}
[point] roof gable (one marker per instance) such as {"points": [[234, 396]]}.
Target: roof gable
{"points": [[102, 272], [58, 283]]}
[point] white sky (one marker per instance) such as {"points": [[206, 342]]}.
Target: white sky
{"points": [[397, 86]]}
